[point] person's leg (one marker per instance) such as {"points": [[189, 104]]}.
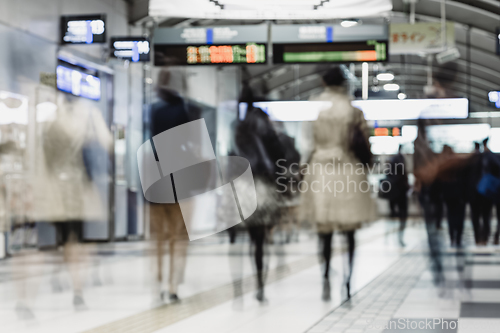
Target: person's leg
{"points": [[403, 216], [497, 233], [475, 212], [326, 251], [438, 215], [325, 242], [158, 234], [486, 213], [430, 215], [351, 245], [451, 211], [392, 207], [178, 243], [258, 236], [460, 223], [74, 256]]}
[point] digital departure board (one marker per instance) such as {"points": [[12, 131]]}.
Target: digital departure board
{"points": [[323, 43], [369, 51], [249, 53], [83, 29], [224, 45]]}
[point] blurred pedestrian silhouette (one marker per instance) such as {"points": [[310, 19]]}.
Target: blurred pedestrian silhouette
{"points": [[397, 193], [338, 141], [167, 224], [257, 141]]}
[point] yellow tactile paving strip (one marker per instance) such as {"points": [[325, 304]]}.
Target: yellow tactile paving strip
{"points": [[155, 319]]}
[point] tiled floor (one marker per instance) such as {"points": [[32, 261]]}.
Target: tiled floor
{"points": [[392, 289]]}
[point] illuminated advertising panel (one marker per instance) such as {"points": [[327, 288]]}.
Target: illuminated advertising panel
{"points": [[78, 82], [211, 45], [83, 29]]}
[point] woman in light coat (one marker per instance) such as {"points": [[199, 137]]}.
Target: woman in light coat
{"points": [[338, 193]]}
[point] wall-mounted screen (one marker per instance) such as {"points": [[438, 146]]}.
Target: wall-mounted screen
{"points": [[130, 48], [83, 29], [249, 53], [368, 51], [78, 82]]}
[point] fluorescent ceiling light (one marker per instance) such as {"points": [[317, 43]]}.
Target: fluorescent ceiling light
{"points": [[402, 96], [391, 87], [385, 77], [349, 23]]}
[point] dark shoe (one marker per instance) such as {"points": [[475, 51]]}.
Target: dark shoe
{"points": [[260, 295], [173, 298], [23, 312], [79, 303], [496, 241], [348, 290], [326, 296]]}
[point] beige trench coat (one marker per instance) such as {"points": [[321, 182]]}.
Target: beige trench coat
{"points": [[338, 196], [62, 189]]}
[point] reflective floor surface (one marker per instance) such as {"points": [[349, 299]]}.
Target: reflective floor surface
{"points": [[389, 284]]}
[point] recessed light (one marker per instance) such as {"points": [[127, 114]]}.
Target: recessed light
{"points": [[385, 77], [391, 87]]}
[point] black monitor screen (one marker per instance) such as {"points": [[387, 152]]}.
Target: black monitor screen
{"points": [[83, 29]]}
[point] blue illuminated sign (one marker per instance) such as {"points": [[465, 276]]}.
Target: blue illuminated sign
{"points": [[78, 83], [494, 97]]}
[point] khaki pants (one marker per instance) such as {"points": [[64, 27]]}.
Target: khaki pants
{"points": [[167, 224]]}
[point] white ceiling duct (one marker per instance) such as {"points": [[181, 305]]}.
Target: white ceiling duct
{"points": [[268, 9]]}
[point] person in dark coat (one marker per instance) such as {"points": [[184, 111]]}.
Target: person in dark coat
{"points": [[257, 141]]}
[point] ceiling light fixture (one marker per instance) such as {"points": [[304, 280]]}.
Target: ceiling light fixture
{"points": [[402, 96], [349, 23], [385, 76], [391, 87]]}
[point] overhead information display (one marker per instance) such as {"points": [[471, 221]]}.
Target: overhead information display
{"points": [[211, 46], [83, 29], [130, 48], [329, 44]]}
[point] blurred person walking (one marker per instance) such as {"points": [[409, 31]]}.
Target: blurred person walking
{"points": [[257, 141], [474, 172], [425, 169], [167, 224], [397, 178], [71, 180], [489, 190], [337, 142]]}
